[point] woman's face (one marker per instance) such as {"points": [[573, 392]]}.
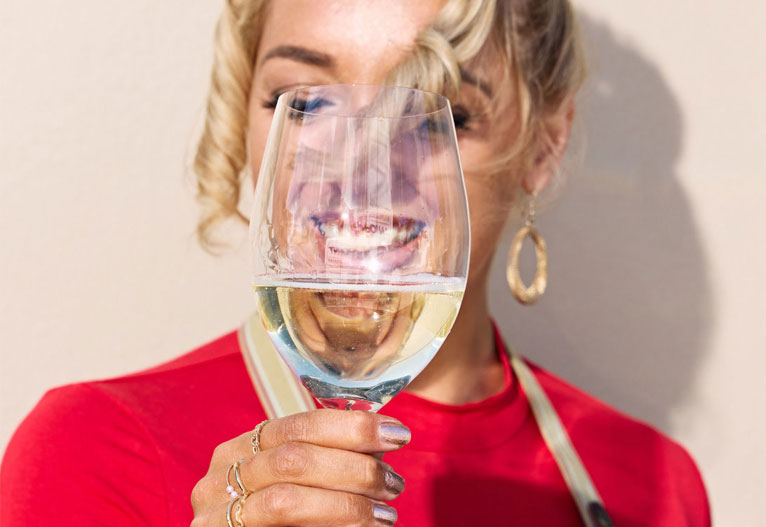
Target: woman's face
{"points": [[312, 42]]}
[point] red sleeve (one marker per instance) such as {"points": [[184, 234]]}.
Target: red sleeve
{"points": [[80, 458], [691, 489]]}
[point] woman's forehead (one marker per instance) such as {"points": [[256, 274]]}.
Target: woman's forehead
{"points": [[364, 38]]}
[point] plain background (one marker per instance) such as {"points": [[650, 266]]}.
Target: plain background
{"points": [[655, 300]]}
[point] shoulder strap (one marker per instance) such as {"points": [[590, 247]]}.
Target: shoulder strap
{"points": [[281, 394], [581, 487]]}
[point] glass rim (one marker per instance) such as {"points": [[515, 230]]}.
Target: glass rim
{"points": [[444, 101]]}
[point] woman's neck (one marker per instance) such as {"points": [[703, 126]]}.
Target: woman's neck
{"points": [[466, 368]]}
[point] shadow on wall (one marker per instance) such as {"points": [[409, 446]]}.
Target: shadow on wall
{"points": [[628, 308]]}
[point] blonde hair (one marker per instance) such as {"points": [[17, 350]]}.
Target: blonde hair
{"points": [[538, 40]]}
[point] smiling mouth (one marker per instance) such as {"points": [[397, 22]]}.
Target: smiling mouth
{"points": [[382, 241]]}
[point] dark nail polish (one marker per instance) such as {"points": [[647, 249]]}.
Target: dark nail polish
{"points": [[384, 514], [394, 482], [394, 433]]}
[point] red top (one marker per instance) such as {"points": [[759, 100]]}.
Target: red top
{"points": [[127, 451]]}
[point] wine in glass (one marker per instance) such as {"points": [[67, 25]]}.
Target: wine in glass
{"points": [[359, 238]]}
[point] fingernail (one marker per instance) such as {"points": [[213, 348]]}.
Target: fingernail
{"points": [[394, 433], [383, 513], [394, 482]]}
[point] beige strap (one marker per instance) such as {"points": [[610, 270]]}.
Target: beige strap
{"points": [[281, 393], [279, 390], [581, 487]]}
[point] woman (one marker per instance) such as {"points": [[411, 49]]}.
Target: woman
{"points": [[134, 450]]}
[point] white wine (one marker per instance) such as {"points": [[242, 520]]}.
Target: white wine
{"points": [[356, 345]]}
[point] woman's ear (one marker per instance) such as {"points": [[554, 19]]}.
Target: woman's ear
{"points": [[550, 148]]}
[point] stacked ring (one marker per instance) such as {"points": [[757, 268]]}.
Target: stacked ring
{"points": [[238, 501], [255, 438], [238, 478], [230, 490], [238, 511], [238, 497]]}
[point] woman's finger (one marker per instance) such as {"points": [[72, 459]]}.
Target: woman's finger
{"points": [[358, 431], [329, 468], [294, 505]]}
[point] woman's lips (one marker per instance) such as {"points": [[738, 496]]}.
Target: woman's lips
{"points": [[369, 243]]}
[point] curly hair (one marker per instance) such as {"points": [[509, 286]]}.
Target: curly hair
{"points": [[539, 41]]}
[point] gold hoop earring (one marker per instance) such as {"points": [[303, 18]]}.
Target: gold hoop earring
{"points": [[527, 295]]}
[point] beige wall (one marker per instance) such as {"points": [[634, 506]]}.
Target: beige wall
{"points": [[656, 292]]}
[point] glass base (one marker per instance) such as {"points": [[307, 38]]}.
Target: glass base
{"points": [[339, 403], [367, 398]]}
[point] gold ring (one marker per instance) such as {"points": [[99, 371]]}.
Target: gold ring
{"points": [[238, 478], [230, 490], [238, 511], [255, 438], [238, 500]]}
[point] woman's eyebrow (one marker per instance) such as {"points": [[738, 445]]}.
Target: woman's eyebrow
{"points": [[323, 60], [469, 78], [300, 54]]}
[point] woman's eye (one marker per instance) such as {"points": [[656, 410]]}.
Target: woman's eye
{"points": [[301, 105], [460, 116], [310, 105], [423, 130], [434, 126], [272, 103], [461, 119]]}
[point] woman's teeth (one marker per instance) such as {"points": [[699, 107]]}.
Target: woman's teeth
{"points": [[369, 238]]}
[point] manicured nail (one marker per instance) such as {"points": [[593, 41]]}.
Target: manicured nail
{"points": [[394, 433], [384, 514], [394, 482]]}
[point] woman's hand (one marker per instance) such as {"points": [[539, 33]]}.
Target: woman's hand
{"points": [[314, 468]]}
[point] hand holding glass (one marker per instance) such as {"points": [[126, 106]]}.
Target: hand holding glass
{"points": [[359, 238]]}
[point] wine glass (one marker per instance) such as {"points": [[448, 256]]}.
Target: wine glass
{"points": [[359, 238]]}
